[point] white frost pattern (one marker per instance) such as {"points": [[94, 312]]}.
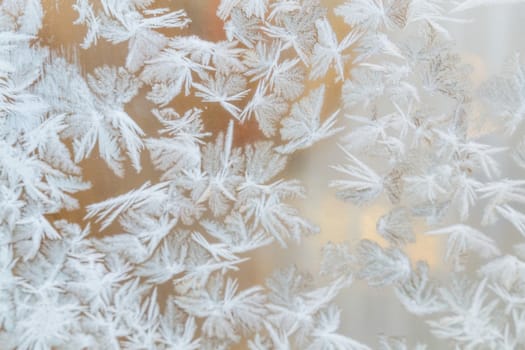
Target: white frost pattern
{"points": [[156, 267]]}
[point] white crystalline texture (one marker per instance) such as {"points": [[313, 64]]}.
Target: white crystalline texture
{"points": [[143, 165]]}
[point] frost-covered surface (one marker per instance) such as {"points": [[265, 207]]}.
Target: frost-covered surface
{"points": [[156, 267]]}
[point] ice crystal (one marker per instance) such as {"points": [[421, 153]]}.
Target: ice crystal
{"points": [[214, 120]]}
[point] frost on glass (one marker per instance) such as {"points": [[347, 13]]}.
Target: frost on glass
{"points": [[145, 163]]}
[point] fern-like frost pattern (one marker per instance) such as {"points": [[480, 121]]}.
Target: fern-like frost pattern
{"points": [[156, 264]]}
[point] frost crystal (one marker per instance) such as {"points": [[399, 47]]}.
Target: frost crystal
{"points": [[147, 153]]}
